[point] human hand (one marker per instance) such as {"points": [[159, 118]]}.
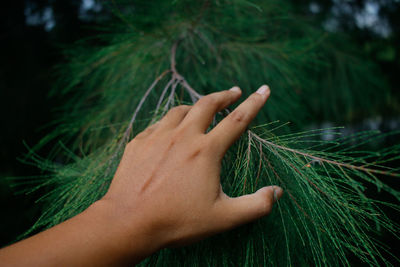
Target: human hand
{"points": [[166, 192], [168, 181]]}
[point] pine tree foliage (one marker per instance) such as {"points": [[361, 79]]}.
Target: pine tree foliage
{"points": [[158, 54]]}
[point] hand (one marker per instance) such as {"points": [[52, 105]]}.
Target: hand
{"points": [[169, 175], [166, 192]]}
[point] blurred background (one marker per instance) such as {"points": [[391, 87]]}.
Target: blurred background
{"points": [[34, 32]]}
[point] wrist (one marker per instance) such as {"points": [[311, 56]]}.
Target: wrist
{"points": [[129, 234]]}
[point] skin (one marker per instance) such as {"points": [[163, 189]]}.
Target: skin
{"points": [[166, 192]]}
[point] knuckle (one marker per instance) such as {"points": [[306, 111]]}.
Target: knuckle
{"points": [[178, 135], [238, 116], [180, 131], [140, 135], [146, 132], [209, 100], [131, 144], [178, 109], [184, 107], [173, 110], [255, 99]]}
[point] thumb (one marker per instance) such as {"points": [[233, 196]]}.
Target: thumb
{"points": [[244, 209]]}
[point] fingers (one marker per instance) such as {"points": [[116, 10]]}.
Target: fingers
{"points": [[174, 116], [244, 209], [172, 119], [146, 132], [231, 127], [202, 113]]}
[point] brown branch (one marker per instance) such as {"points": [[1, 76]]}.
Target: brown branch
{"points": [[308, 180], [176, 75], [346, 165], [164, 93], [139, 106], [170, 97], [173, 56], [128, 130]]}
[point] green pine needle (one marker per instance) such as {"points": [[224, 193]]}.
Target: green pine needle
{"points": [[161, 54]]}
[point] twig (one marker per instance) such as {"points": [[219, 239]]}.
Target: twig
{"points": [[139, 106], [346, 165], [170, 97], [129, 128], [176, 75], [173, 56], [193, 93], [160, 100], [176, 79]]}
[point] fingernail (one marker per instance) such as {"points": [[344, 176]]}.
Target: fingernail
{"points": [[278, 192], [263, 90], [235, 89]]}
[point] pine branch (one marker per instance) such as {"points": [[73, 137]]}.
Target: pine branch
{"points": [[327, 213], [320, 159]]}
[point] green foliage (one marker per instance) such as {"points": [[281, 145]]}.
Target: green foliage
{"points": [[324, 215], [163, 53]]}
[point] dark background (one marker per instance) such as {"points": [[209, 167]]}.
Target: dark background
{"points": [[33, 33]]}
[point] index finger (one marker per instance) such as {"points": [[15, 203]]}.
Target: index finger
{"points": [[230, 128]]}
